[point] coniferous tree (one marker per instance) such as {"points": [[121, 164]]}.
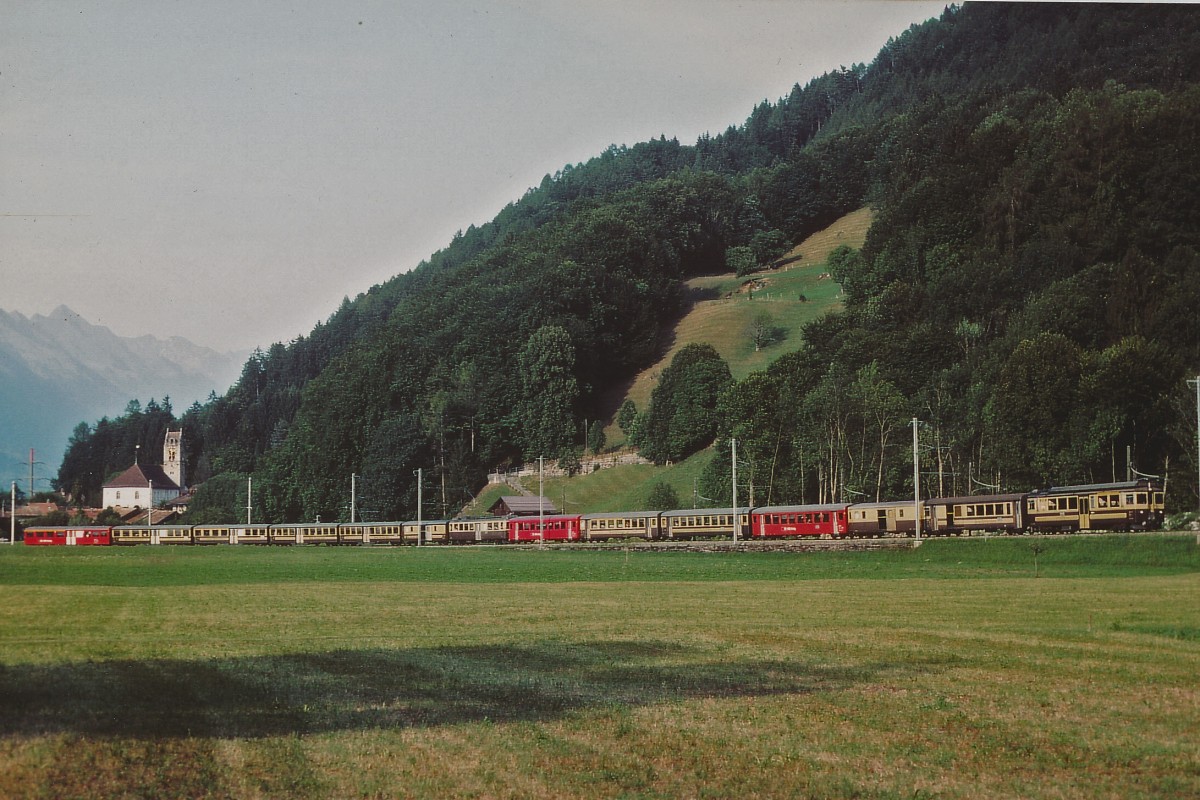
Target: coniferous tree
{"points": [[549, 392]]}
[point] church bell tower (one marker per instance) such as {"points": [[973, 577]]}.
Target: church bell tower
{"points": [[173, 456]]}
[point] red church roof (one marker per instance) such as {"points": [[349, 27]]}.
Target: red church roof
{"points": [[139, 476]]}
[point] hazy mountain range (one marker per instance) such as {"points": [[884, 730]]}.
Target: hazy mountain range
{"points": [[59, 370]]}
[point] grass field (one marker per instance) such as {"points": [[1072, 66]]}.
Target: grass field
{"points": [[947, 671]]}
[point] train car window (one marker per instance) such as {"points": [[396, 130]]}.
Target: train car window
{"points": [[1141, 498], [1158, 498], [1128, 499]]}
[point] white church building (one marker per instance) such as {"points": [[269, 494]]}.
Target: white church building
{"points": [[149, 485]]}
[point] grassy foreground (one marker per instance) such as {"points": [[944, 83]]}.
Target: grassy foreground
{"points": [[950, 671]]}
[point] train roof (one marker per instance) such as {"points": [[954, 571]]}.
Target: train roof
{"points": [[976, 498], [1101, 487], [697, 512], [622, 514], [885, 504], [800, 509], [65, 528]]}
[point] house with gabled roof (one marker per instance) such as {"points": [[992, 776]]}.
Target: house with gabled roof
{"points": [[519, 506], [140, 486]]}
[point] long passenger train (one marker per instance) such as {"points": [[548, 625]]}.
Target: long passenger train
{"points": [[1124, 506]]}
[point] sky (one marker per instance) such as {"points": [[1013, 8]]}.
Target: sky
{"points": [[229, 171]]}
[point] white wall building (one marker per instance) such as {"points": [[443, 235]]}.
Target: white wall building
{"points": [[149, 485]]}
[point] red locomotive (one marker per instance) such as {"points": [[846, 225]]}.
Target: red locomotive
{"points": [[69, 536]]}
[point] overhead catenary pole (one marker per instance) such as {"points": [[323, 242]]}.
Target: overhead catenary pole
{"points": [[916, 486], [1197, 382], [249, 495], [419, 499], [12, 516], [541, 503], [733, 457], [353, 478]]}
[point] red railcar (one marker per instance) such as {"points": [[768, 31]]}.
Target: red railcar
{"points": [[559, 528], [68, 536], [819, 520]]}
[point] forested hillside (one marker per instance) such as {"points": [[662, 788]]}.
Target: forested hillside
{"points": [[1027, 290]]}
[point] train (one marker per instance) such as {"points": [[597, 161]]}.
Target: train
{"points": [[1135, 505]]}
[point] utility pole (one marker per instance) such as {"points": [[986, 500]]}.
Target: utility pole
{"points": [[419, 526], [1197, 382], [353, 477], [916, 486], [733, 456], [249, 494], [12, 516]]}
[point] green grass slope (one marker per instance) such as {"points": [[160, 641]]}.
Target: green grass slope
{"points": [[726, 306]]}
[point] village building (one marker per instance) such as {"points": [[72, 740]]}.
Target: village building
{"points": [[30, 510], [148, 485], [522, 506]]}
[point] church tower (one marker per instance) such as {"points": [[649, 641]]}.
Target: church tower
{"points": [[173, 456]]}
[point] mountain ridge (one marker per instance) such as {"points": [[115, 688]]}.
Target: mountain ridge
{"points": [[59, 369]]}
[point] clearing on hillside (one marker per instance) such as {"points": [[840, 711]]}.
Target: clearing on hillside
{"points": [[725, 308]]}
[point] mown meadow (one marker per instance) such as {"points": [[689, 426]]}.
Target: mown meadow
{"points": [[959, 669]]}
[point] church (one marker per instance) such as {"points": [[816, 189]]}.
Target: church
{"points": [[149, 485]]}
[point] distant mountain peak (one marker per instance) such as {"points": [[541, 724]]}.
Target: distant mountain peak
{"points": [[59, 369]]}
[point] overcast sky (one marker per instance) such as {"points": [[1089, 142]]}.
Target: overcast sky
{"points": [[228, 171]]}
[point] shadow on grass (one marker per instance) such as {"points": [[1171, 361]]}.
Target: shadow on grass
{"points": [[366, 689]]}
